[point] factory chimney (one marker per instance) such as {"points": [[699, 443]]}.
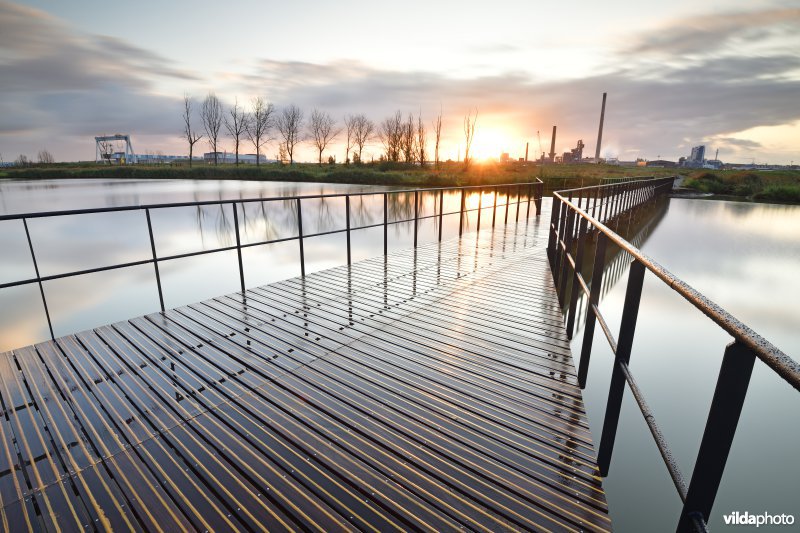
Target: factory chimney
{"points": [[600, 131], [553, 146], [526, 152]]}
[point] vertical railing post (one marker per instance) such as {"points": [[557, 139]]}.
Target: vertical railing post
{"points": [[238, 244], [441, 213], [539, 197], [530, 193], [39, 279], [480, 206], [508, 204], [630, 313], [461, 215], [563, 274], [560, 238], [416, 216], [594, 298], [552, 239], [347, 225], [300, 238], [573, 300], [519, 199], [723, 417], [385, 223], [494, 206], [155, 258]]}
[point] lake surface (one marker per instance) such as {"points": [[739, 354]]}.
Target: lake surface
{"points": [[745, 257]]}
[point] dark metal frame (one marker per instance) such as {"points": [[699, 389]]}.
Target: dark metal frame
{"points": [[586, 213], [534, 192]]}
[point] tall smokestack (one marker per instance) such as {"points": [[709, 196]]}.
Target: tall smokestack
{"points": [[600, 131], [553, 146], [526, 152]]}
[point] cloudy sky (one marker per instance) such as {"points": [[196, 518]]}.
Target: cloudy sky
{"points": [[679, 73]]}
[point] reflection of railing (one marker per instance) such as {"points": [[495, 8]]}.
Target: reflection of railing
{"points": [[577, 215], [616, 266], [531, 191]]}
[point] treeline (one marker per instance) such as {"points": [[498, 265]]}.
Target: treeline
{"points": [[404, 139]]}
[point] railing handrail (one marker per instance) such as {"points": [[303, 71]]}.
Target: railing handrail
{"points": [[90, 210], [771, 355]]}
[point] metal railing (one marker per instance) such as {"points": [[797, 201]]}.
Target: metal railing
{"points": [[579, 215], [532, 191]]}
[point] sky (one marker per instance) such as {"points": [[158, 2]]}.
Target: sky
{"points": [[721, 73]]}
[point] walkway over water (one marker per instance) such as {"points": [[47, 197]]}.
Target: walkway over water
{"points": [[428, 389]]}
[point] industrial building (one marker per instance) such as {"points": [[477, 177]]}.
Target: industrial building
{"points": [[228, 158]]}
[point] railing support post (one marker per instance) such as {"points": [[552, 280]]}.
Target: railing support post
{"points": [[155, 258], [39, 279], [539, 196], [564, 263], [573, 299], [238, 245], [347, 226], [416, 216], [480, 205], [519, 199], [461, 215], [630, 313], [385, 223], [300, 238], [552, 238], [494, 207], [528, 208], [441, 213], [594, 298], [723, 417], [508, 204]]}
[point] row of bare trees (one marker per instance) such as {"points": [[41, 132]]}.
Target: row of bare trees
{"points": [[404, 139], [44, 157]]}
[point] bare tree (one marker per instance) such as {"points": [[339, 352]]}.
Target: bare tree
{"points": [[407, 138], [350, 126], [391, 135], [22, 161], [421, 141], [259, 123], [364, 132], [191, 136], [236, 123], [321, 130], [290, 124], [211, 115], [45, 157], [437, 129], [469, 134]]}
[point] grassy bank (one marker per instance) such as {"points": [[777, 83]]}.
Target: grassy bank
{"points": [[771, 186], [450, 174]]}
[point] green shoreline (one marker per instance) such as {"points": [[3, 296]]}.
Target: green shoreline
{"points": [[771, 186]]}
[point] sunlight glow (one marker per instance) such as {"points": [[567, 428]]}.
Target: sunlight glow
{"points": [[492, 141]]}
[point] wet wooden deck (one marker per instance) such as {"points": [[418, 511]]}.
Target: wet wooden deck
{"points": [[434, 390]]}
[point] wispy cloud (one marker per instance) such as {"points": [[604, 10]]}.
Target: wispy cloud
{"points": [[693, 81]]}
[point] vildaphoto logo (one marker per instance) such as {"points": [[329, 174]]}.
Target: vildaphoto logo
{"points": [[764, 519]]}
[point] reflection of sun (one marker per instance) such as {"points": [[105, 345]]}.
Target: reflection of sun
{"points": [[489, 143]]}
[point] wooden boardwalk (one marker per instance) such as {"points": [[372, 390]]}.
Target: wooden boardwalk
{"points": [[432, 390]]}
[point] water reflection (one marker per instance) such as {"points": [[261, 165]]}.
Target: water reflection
{"points": [[81, 242]]}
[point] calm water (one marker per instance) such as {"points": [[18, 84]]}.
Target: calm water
{"points": [[80, 242], [746, 257]]}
